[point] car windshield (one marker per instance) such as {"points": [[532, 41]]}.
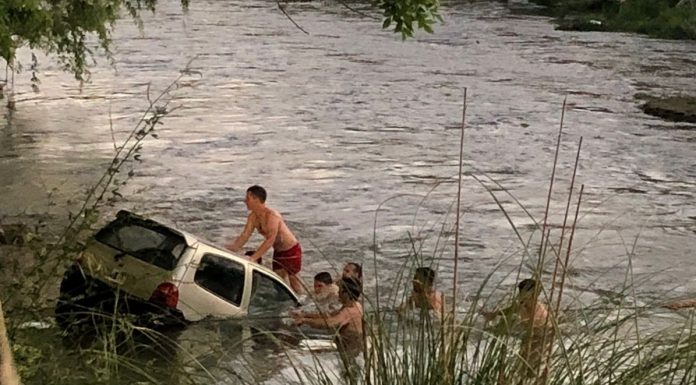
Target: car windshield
{"points": [[146, 240]]}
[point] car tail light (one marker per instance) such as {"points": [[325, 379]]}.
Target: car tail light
{"points": [[166, 294]]}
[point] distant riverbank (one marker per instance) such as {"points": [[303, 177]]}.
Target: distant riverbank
{"points": [[667, 19]]}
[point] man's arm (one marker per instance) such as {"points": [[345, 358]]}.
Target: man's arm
{"points": [[272, 225], [491, 315], [333, 321], [440, 304], [675, 305], [313, 315], [242, 239], [407, 305]]}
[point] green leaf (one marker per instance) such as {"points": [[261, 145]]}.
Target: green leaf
{"points": [[387, 23]]}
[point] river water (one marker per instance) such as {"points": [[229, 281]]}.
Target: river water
{"points": [[336, 122]]}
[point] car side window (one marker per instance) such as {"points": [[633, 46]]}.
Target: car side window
{"points": [[268, 295], [222, 277]]}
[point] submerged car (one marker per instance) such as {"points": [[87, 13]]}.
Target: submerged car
{"points": [[138, 266]]}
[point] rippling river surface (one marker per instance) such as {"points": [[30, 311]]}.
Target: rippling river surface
{"points": [[338, 121]]}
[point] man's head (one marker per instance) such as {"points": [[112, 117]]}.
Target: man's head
{"points": [[527, 288], [255, 196], [352, 270], [349, 289], [321, 282], [423, 279]]}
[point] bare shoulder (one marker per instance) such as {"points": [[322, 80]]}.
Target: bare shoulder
{"points": [[272, 213], [357, 310], [351, 311], [252, 221]]}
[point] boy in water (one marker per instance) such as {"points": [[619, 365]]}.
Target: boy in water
{"points": [[325, 291], [424, 296], [534, 324], [347, 321]]}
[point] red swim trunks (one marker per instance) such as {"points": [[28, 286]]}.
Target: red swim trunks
{"points": [[289, 260]]}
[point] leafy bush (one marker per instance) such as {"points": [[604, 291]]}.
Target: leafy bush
{"points": [[657, 18]]}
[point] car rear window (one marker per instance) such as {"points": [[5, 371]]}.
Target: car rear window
{"points": [[145, 240]]}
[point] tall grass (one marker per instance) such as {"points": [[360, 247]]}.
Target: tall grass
{"points": [[597, 343]]}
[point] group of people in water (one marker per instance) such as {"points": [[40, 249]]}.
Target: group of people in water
{"points": [[338, 300]]}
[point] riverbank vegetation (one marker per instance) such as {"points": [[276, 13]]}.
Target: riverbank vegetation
{"points": [[668, 19], [679, 108]]}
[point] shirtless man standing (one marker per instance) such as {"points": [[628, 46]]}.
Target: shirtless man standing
{"points": [[287, 253]]}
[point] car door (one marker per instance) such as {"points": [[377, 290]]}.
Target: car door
{"points": [[216, 288], [268, 296]]}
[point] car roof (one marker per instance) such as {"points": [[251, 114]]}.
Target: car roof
{"points": [[237, 258], [192, 240], [189, 238]]}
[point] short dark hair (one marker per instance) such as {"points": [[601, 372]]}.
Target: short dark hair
{"points": [[324, 277], [425, 275], [258, 192], [351, 287], [527, 285], [357, 267]]}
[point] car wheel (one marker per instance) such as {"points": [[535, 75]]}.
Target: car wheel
{"points": [[78, 301]]}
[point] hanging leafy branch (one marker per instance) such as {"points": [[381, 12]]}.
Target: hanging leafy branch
{"points": [[62, 27], [408, 15]]}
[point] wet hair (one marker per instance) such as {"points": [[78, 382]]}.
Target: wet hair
{"points": [[258, 192], [324, 278], [352, 288], [357, 267], [425, 275], [527, 285]]}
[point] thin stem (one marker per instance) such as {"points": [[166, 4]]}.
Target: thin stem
{"points": [[570, 245], [548, 198], [565, 222], [280, 6], [459, 199]]}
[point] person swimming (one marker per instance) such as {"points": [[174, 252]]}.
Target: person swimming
{"points": [[533, 321], [423, 295]]}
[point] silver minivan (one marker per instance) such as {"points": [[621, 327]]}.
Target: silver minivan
{"points": [[138, 266]]}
